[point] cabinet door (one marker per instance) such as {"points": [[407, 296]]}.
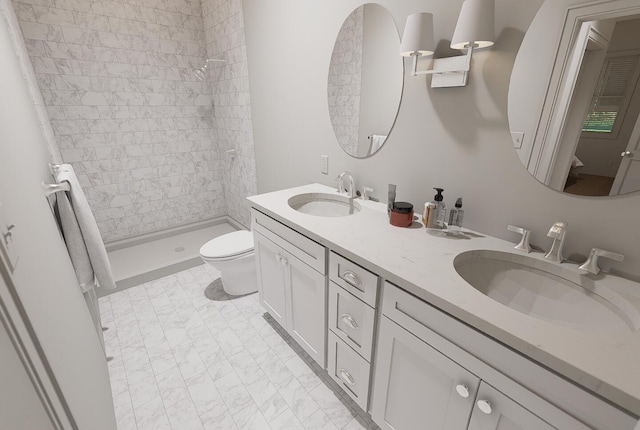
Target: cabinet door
{"points": [[271, 279], [416, 387], [306, 294], [495, 411]]}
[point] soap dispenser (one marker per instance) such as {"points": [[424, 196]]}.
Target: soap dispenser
{"points": [[456, 215], [434, 212]]}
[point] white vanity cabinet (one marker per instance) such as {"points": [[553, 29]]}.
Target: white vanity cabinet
{"points": [[292, 282], [418, 387], [495, 411], [432, 371]]}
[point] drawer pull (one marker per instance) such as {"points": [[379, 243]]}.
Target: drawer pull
{"points": [[346, 377], [348, 320], [462, 390], [352, 278], [484, 406]]}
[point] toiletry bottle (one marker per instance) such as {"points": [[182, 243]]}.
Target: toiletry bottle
{"points": [[456, 215], [391, 198], [435, 212]]}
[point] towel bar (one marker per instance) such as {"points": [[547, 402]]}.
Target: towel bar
{"points": [[55, 188]]}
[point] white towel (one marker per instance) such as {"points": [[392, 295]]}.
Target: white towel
{"points": [[377, 140], [85, 245]]}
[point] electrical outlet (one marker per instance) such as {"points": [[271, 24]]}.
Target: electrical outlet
{"points": [[518, 138], [324, 166]]}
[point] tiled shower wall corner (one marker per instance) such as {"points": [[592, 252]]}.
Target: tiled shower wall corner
{"points": [[126, 109], [224, 29], [345, 81]]}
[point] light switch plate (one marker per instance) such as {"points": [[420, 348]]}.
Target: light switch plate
{"points": [[518, 138], [324, 166], [8, 245]]}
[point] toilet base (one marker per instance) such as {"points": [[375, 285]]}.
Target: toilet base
{"points": [[238, 276]]}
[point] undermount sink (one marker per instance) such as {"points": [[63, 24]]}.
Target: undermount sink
{"points": [[324, 204], [548, 291]]}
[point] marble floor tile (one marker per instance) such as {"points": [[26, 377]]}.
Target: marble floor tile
{"points": [[183, 357], [172, 387], [152, 416], [184, 415], [218, 418], [250, 418], [332, 405], [286, 421], [319, 421], [204, 393]]}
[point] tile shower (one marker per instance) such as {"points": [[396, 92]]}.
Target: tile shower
{"points": [[148, 140]]}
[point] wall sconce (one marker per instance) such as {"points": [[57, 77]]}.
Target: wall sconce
{"points": [[474, 30]]}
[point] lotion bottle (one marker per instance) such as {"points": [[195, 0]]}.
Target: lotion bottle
{"points": [[435, 211]]}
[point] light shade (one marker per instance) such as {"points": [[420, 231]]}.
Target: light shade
{"points": [[475, 24], [418, 35]]}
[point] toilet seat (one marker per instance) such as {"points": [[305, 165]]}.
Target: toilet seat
{"points": [[228, 246]]}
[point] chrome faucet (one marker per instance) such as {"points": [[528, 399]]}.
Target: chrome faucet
{"points": [[524, 242], [591, 265], [558, 232], [351, 192]]}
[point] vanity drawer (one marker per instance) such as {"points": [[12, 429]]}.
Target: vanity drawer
{"points": [[351, 320], [349, 370], [353, 278], [310, 252]]}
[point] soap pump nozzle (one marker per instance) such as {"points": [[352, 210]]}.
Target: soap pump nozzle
{"points": [[438, 197]]}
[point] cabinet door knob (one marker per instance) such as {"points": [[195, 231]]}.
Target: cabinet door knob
{"points": [[346, 377], [279, 258], [284, 261], [463, 390], [351, 278], [484, 406], [627, 154], [348, 320]]}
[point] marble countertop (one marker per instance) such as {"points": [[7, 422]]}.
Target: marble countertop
{"points": [[422, 264]]}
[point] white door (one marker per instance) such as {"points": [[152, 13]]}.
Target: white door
{"points": [[22, 401], [306, 294], [42, 279], [416, 387], [628, 176], [270, 273], [495, 411]]}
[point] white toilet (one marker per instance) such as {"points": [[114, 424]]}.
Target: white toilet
{"points": [[233, 255]]}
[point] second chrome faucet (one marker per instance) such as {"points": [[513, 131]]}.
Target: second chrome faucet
{"points": [[351, 192]]}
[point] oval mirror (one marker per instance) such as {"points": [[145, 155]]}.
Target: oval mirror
{"points": [[574, 97], [366, 75]]}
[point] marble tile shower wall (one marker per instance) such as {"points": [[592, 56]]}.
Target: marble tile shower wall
{"points": [[126, 110], [224, 30], [345, 81]]}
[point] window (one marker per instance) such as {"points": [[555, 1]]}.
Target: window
{"points": [[617, 82]]}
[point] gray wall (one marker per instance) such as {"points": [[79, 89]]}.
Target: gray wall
{"points": [[456, 138]]}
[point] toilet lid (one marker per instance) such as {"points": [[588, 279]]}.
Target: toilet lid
{"points": [[228, 245]]}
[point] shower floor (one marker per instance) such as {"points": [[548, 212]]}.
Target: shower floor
{"points": [[153, 258]]}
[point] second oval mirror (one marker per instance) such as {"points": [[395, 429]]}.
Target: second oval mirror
{"points": [[574, 98], [365, 80]]}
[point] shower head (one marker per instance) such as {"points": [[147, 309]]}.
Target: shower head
{"points": [[200, 73]]}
